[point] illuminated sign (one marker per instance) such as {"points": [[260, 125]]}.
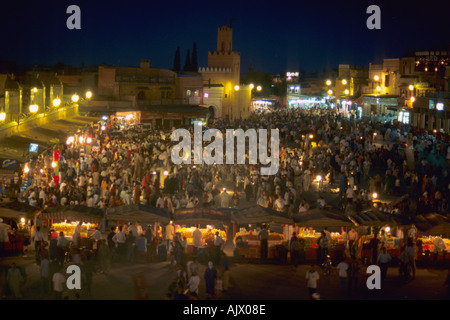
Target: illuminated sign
{"points": [[34, 147], [439, 106]]}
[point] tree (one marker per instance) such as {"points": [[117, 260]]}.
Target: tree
{"points": [[177, 61], [187, 63], [194, 62]]}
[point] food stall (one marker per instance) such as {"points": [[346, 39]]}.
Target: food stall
{"points": [[16, 218], [66, 218], [433, 238], [316, 218], [249, 221], [210, 221], [373, 221]]}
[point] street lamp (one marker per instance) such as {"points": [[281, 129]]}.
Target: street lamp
{"points": [[378, 88], [252, 86], [346, 91], [413, 99], [2, 116], [56, 102], [236, 88], [411, 87], [75, 98], [33, 108], [376, 78], [330, 92], [344, 82], [258, 88], [328, 82], [88, 94]]}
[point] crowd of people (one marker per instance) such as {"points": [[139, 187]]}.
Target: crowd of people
{"points": [[120, 167]]}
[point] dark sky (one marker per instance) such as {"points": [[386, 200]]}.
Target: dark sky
{"points": [[272, 36]]}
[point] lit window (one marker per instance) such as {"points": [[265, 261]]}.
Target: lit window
{"points": [[188, 93]]}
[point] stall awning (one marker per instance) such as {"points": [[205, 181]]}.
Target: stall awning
{"points": [[17, 210], [258, 214], [204, 216], [372, 218], [433, 224], [138, 213], [321, 218], [73, 213]]}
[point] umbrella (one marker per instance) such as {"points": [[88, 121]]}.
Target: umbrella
{"points": [[259, 214], [321, 218], [138, 212], [203, 216], [73, 213], [433, 224]]}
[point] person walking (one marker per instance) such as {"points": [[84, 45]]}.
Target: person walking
{"points": [[294, 249], [312, 277], [38, 238], [342, 267], [197, 239], [384, 258], [263, 237], [120, 239], [411, 253], [210, 276], [58, 284], [14, 280]]}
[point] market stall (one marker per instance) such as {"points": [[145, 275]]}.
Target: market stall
{"points": [[16, 218], [246, 239], [433, 237], [66, 218], [373, 221], [209, 221], [316, 218]]}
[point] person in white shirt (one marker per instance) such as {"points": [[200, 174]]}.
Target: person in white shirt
{"points": [[279, 204], [120, 239], [312, 276], [197, 239], [193, 284], [58, 284], [342, 267]]}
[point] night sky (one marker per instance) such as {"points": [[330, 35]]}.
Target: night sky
{"points": [[272, 36]]}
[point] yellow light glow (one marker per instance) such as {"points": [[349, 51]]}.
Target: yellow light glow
{"points": [[374, 195], [88, 94], [22, 220], [376, 78], [311, 136], [80, 140], [252, 85], [413, 99], [330, 92], [56, 102], [426, 69], [411, 87], [41, 170], [259, 88], [344, 82], [319, 178], [53, 164], [75, 98], [2, 116], [328, 82], [378, 88], [236, 87], [33, 108], [166, 173], [88, 140], [26, 169], [346, 91], [34, 89]]}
